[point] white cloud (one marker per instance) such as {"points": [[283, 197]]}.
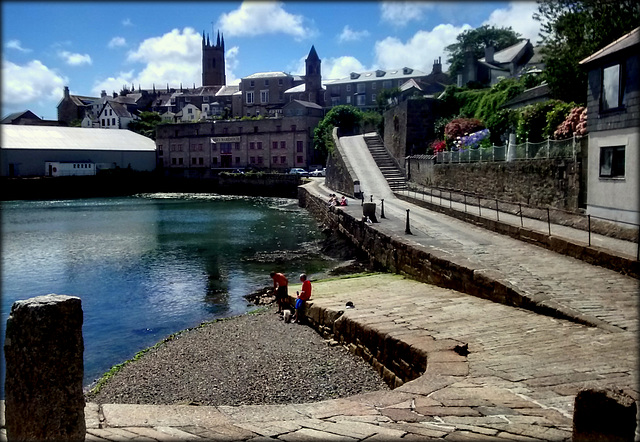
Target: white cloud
{"points": [[420, 51], [231, 63], [401, 13], [16, 44], [75, 59], [349, 34], [127, 22], [263, 17], [174, 58], [117, 42], [32, 82], [518, 15], [340, 67]]}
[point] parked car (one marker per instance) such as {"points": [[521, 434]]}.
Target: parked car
{"points": [[299, 171], [319, 172]]}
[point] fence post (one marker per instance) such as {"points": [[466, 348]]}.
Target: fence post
{"points": [[479, 208], [548, 147], [407, 229], [521, 222], [589, 223]]}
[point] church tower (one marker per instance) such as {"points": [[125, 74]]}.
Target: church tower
{"points": [[313, 78], [213, 68]]}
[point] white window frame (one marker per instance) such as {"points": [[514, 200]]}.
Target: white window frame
{"points": [[250, 97]]}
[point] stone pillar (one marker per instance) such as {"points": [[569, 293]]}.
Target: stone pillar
{"points": [[44, 370], [604, 416]]}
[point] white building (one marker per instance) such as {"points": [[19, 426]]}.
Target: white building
{"points": [[30, 150]]}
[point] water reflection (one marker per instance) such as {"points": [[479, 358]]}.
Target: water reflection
{"points": [[150, 265]]}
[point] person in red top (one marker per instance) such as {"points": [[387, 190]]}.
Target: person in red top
{"points": [[280, 284], [301, 298]]}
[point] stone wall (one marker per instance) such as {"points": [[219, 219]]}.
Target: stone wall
{"points": [[340, 175], [409, 127], [553, 182]]}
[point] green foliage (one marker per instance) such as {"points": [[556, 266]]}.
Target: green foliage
{"points": [[533, 121], [556, 116], [382, 99], [346, 118], [501, 123], [572, 30], [476, 40], [146, 124]]}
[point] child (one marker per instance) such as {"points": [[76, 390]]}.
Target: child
{"points": [[302, 297]]}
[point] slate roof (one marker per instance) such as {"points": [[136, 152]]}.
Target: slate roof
{"points": [[73, 138], [16, 115], [508, 55], [624, 42], [380, 74]]}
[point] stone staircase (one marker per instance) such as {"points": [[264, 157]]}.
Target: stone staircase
{"points": [[390, 170]]}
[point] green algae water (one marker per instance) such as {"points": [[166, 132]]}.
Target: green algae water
{"points": [[150, 265]]}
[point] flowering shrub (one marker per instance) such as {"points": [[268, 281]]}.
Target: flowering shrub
{"points": [[462, 126], [438, 146], [576, 123], [473, 140]]}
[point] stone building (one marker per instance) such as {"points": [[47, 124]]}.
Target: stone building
{"points": [[270, 144], [613, 123]]}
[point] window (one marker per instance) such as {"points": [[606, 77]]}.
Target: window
{"points": [[386, 84], [194, 160], [255, 129], [361, 88], [252, 160], [173, 161], [374, 85], [266, 82], [348, 88], [237, 146], [336, 101], [360, 100], [250, 97], [264, 96], [260, 160], [300, 159], [612, 161], [214, 161], [373, 98], [252, 83], [349, 99], [280, 82], [274, 145], [258, 144], [611, 87], [180, 161], [113, 121], [283, 160], [281, 96], [189, 110], [201, 161], [252, 145], [283, 144], [293, 128], [299, 145], [274, 160]]}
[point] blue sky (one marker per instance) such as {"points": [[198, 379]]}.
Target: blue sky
{"points": [[95, 46]]}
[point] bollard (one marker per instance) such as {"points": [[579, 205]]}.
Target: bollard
{"points": [[604, 415], [382, 208], [407, 230], [44, 370]]}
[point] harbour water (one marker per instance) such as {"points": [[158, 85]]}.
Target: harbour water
{"points": [[150, 265]]}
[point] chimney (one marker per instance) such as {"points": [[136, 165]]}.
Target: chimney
{"points": [[437, 66], [66, 92], [488, 54], [103, 94]]}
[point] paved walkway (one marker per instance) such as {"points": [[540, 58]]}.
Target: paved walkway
{"points": [[518, 381]]}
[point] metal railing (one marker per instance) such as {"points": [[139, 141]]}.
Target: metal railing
{"points": [[567, 148], [493, 207]]}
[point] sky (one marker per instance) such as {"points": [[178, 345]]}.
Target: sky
{"points": [[97, 45]]}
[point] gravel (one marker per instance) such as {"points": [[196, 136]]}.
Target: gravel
{"points": [[253, 359]]}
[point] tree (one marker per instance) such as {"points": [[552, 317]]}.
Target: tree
{"points": [[571, 30], [476, 40], [146, 125], [346, 118]]}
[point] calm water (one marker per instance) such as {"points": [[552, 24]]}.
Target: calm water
{"points": [[150, 265]]}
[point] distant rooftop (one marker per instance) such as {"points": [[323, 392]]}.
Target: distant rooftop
{"points": [[73, 138], [380, 74], [267, 75]]}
